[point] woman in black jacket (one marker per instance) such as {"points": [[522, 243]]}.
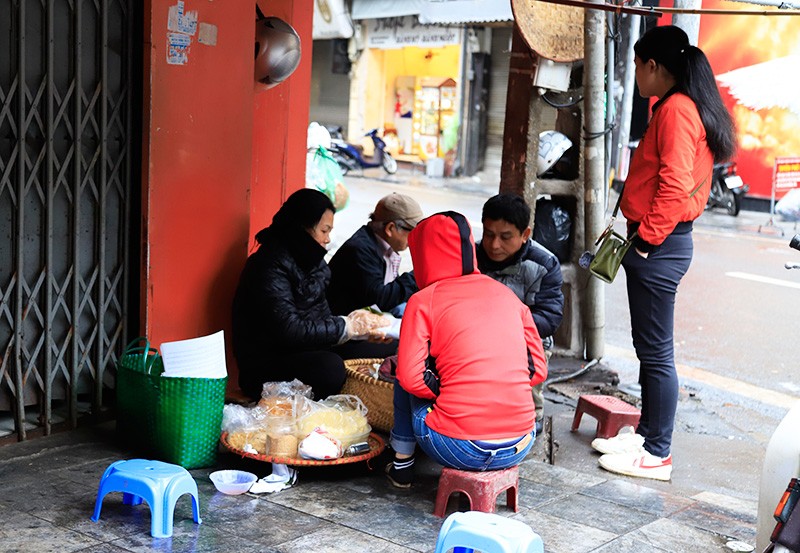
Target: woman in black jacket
{"points": [[282, 325]]}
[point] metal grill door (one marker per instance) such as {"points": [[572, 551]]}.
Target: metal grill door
{"points": [[65, 118]]}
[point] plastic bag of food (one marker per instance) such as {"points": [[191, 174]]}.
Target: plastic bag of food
{"points": [[344, 417], [282, 403], [246, 428], [282, 399]]}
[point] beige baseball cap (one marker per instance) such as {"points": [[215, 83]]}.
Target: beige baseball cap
{"points": [[398, 207]]}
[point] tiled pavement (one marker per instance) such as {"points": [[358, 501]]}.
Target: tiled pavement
{"points": [[48, 487]]}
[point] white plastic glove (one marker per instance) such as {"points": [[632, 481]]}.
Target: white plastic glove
{"points": [[364, 323]]}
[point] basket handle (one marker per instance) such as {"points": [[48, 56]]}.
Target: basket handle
{"points": [[147, 360]]}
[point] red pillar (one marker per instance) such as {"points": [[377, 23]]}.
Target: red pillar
{"points": [[280, 120], [217, 161]]}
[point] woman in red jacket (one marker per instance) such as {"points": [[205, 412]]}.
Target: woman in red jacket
{"points": [[666, 190], [468, 358]]}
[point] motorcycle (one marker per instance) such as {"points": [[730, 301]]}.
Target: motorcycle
{"points": [[778, 527], [727, 188], [351, 157]]}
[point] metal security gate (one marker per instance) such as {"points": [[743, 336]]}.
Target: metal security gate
{"points": [[65, 189]]}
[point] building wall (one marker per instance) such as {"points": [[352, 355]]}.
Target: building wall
{"points": [[330, 92], [218, 160]]}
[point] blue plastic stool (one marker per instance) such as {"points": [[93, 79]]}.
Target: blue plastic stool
{"points": [[488, 533], [159, 484]]}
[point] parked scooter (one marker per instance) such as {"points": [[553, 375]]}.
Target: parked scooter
{"points": [[778, 523], [727, 188], [351, 157]]}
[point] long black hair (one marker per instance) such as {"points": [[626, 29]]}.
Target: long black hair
{"points": [[669, 47]]}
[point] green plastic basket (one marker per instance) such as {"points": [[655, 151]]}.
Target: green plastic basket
{"points": [[177, 420]]}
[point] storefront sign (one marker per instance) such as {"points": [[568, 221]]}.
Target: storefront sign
{"points": [[787, 173], [399, 32]]}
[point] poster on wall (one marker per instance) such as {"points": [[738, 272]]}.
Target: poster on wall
{"points": [[756, 60]]}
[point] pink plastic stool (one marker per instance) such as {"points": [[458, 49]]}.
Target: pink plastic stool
{"points": [[611, 413], [481, 488]]}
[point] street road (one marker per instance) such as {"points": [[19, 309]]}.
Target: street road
{"points": [[736, 312]]}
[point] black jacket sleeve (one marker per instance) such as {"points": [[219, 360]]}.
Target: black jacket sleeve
{"points": [[357, 274], [293, 327]]}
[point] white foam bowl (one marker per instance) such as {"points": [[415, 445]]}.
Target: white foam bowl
{"points": [[232, 482]]}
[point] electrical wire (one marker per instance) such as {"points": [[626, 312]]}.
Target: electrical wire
{"points": [[593, 135], [571, 375], [556, 105]]}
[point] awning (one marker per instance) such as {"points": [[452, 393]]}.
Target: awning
{"points": [[331, 20], [379, 9], [455, 12]]}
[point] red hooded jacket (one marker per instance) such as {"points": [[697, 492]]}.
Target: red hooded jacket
{"points": [[466, 341]]}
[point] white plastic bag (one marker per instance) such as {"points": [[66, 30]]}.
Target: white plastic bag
{"points": [[320, 445], [788, 207]]}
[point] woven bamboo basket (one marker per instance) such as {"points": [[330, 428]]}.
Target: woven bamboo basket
{"points": [[376, 394]]}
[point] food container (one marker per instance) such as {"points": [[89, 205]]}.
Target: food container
{"points": [[232, 482]]}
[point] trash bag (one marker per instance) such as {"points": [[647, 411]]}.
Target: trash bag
{"points": [[324, 174], [552, 228], [788, 207]]}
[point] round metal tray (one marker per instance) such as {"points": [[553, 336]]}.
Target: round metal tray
{"points": [[376, 446]]}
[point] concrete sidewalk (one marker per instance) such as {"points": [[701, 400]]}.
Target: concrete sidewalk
{"points": [[48, 491]]}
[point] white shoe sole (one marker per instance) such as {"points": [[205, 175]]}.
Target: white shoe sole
{"points": [[661, 473]]}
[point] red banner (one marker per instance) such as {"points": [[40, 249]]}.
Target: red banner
{"points": [[756, 60]]}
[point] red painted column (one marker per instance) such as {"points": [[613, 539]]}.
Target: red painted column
{"points": [[196, 169], [280, 120], [217, 161]]}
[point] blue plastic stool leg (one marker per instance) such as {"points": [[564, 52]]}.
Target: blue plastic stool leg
{"points": [[131, 499]]}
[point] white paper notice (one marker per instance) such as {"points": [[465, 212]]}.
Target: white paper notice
{"points": [[202, 357]]}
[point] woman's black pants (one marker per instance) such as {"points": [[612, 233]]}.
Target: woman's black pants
{"points": [[652, 286]]}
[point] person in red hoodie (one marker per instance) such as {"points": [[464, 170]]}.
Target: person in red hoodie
{"points": [[668, 184], [468, 358]]}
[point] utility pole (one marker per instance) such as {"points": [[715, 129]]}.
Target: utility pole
{"points": [[594, 170], [689, 22], [627, 88]]}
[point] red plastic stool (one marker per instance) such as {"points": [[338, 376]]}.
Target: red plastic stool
{"points": [[481, 488], [611, 413]]}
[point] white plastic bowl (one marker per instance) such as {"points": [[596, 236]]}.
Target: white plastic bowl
{"points": [[232, 482]]}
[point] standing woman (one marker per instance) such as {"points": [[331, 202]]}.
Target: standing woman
{"points": [[666, 190]]}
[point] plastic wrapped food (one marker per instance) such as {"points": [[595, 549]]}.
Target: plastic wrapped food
{"points": [[250, 440], [344, 417], [282, 445]]}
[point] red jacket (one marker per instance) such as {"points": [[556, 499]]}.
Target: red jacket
{"points": [[466, 341], [672, 160]]}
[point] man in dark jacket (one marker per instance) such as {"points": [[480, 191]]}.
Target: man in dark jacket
{"points": [[508, 254], [364, 271]]}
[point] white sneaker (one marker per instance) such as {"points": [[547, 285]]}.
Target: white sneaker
{"points": [[626, 441], [642, 465]]}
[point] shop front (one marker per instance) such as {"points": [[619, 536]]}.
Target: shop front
{"points": [[408, 82]]}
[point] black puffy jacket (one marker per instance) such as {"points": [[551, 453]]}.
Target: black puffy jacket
{"points": [[357, 273], [280, 305]]}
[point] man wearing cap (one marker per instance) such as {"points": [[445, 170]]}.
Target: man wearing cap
{"points": [[365, 269]]}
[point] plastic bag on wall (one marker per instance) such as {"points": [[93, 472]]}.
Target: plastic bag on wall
{"points": [[552, 228], [324, 174]]}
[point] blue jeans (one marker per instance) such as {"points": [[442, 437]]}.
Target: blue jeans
{"points": [[410, 429], [652, 285]]}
